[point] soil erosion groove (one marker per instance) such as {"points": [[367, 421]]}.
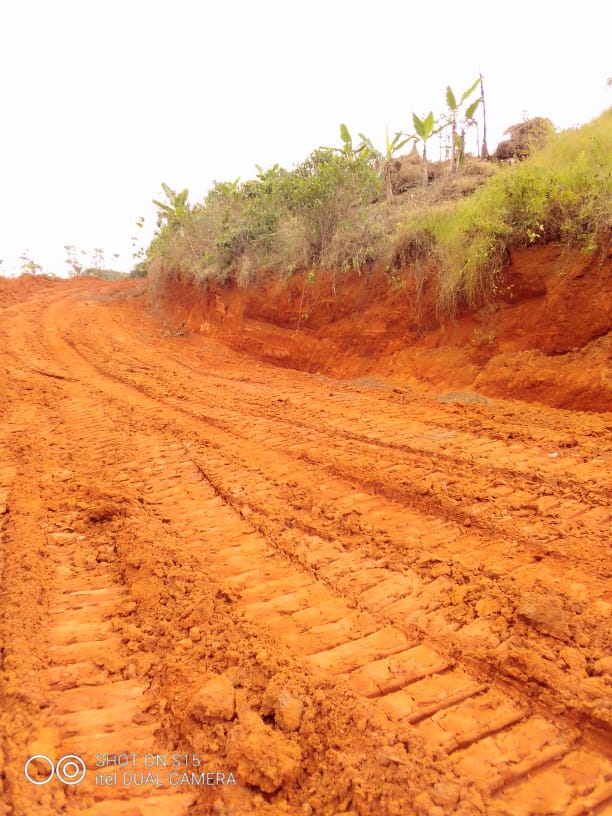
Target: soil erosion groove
{"points": [[345, 596]]}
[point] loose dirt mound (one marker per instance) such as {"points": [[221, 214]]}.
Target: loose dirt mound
{"points": [[229, 588], [545, 337], [19, 289], [524, 136]]}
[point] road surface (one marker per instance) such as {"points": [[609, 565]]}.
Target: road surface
{"points": [[356, 597]]}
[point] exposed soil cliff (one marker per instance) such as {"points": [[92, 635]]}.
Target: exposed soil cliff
{"points": [[544, 338]]}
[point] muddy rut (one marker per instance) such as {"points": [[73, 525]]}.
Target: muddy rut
{"points": [[233, 589]]}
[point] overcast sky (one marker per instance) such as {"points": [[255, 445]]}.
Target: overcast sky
{"points": [[102, 100]]}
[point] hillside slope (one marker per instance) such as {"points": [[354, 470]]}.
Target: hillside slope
{"points": [[543, 337]]}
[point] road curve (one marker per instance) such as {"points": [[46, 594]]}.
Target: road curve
{"points": [[235, 589]]}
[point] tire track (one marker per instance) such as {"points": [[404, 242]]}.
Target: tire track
{"points": [[443, 541], [453, 712], [89, 699], [537, 494]]}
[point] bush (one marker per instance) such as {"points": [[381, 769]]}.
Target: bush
{"points": [[279, 220], [325, 193], [139, 270]]}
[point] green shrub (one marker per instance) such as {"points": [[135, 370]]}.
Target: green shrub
{"points": [[280, 219], [325, 192]]}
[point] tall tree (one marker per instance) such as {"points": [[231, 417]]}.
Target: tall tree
{"points": [[29, 266], [98, 258], [76, 268]]}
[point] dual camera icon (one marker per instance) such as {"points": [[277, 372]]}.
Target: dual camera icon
{"points": [[69, 769]]}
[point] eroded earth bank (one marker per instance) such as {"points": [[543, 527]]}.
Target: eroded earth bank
{"points": [[335, 596]]}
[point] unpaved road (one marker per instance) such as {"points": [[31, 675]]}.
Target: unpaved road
{"points": [[352, 597]]}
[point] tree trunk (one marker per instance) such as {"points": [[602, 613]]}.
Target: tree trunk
{"points": [[388, 184], [484, 152]]}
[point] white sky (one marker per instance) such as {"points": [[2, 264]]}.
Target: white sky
{"points": [[102, 100]]}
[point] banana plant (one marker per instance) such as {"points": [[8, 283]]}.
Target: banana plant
{"points": [[424, 129], [391, 146], [347, 141], [347, 144], [177, 208], [470, 121], [365, 150], [384, 160], [268, 175], [454, 108]]}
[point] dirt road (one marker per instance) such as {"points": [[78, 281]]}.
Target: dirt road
{"points": [[233, 589]]}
